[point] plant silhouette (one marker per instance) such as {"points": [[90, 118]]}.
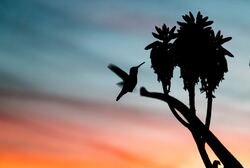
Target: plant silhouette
{"points": [[198, 52], [161, 56], [216, 163]]}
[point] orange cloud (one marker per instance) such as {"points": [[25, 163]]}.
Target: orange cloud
{"points": [[56, 132]]}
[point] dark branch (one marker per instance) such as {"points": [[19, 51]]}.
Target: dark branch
{"points": [[145, 93], [198, 139], [209, 109], [195, 123]]}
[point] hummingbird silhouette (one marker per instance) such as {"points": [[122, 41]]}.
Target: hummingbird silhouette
{"points": [[129, 81]]}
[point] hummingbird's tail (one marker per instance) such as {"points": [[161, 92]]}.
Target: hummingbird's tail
{"points": [[120, 95]]}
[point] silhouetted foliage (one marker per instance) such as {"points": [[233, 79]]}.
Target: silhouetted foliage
{"points": [[212, 72], [161, 55], [191, 47], [197, 50]]}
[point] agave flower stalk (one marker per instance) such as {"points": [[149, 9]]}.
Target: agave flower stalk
{"points": [[199, 54]]}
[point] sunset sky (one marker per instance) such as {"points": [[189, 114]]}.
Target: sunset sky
{"points": [[57, 96]]}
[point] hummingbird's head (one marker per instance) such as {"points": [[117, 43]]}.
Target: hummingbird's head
{"points": [[135, 68]]}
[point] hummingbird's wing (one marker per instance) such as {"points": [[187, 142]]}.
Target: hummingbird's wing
{"points": [[120, 84], [118, 71]]}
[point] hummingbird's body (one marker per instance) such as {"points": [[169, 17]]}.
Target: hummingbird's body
{"points": [[129, 80]]}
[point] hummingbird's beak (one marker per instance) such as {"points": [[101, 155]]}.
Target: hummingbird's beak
{"points": [[140, 65]]}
